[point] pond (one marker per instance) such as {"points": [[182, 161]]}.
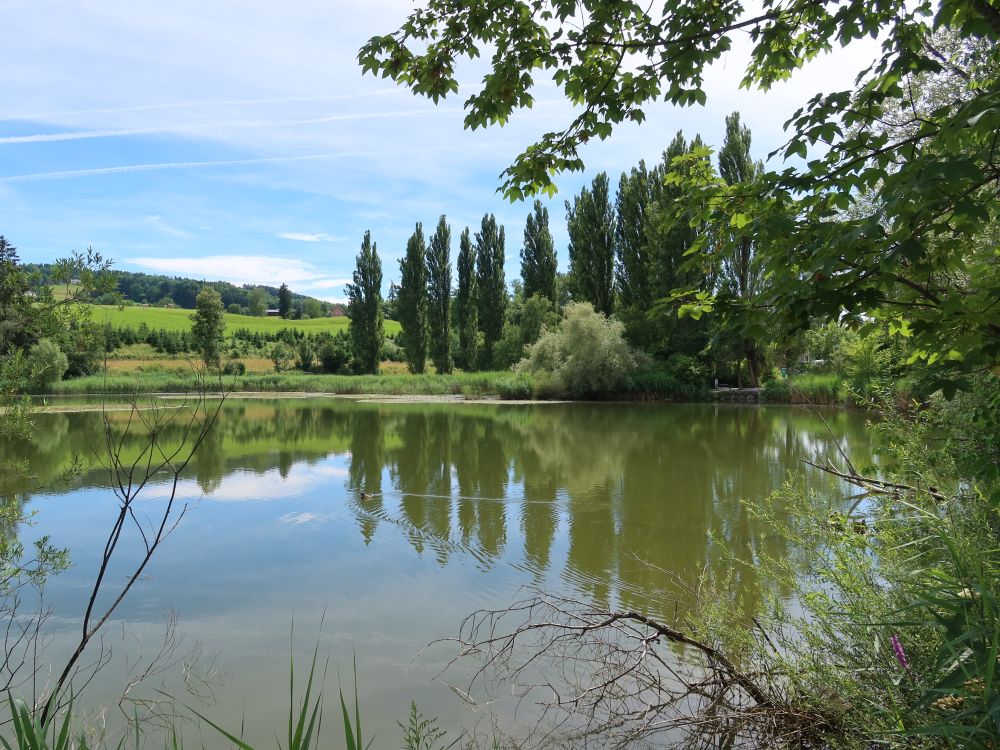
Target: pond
{"points": [[390, 522]]}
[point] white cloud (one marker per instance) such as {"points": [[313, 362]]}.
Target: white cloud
{"points": [[325, 284], [238, 269], [218, 130], [241, 486], [307, 236]]}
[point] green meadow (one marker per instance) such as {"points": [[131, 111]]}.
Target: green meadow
{"points": [[176, 319]]}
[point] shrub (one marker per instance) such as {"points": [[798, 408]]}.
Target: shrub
{"points": [[391, 351], [281, 355], [47, 364], [306, 356], [680, 378], [234, 367], [335, 355], [586, 355]]}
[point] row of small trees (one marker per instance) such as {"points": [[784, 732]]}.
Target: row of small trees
{"points": [[463, 328]]}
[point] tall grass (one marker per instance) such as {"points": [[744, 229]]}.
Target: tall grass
{"points": [[809, 388], [503, 384]]}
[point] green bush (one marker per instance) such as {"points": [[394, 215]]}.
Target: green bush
{"points": [[335, 355], [281, 355], [47, 364], [234, 367], [586, 355], [665, 381], [306, 356], [391, 351]]}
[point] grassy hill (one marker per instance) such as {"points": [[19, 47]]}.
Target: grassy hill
{"points": [[175, 319]]}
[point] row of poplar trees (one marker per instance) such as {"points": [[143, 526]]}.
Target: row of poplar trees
{"points": [[460, 329], [626, 252]]}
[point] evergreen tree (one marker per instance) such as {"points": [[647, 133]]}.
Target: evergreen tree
{"points": [[538, 256], [365, 308], [284, 301], [207, 325], [413, 300], [467, 303], [439, 296], [492, 287], [741, 272], [590, 222]]}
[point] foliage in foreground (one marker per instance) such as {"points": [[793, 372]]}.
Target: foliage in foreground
{"points": [[878, 624]]}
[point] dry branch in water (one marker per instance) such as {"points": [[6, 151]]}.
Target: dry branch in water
{"points": [[620, 678]]}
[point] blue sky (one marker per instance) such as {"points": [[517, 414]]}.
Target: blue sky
{"points": [[239, 141]]}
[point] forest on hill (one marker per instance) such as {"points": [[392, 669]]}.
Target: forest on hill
{"points": [[178, 291]]}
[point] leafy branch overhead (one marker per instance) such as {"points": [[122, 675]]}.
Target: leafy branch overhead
{"points": [[884, 197]]}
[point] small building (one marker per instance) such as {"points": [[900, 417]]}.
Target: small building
{"points": [[273, 313]]}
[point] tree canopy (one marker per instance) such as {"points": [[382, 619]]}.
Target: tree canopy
{"points": [[887, 202]]}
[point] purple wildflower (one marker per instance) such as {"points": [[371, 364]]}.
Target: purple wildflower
{"points": [[897, 649]]}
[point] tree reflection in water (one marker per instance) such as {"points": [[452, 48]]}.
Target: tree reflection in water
{"points": [[615, 499]]}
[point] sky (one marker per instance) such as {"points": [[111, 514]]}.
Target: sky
{"points": [[241, 142]]}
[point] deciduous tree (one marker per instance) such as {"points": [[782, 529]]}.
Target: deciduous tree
{"points": [[208, 323], [413, 300], [590, 221], [439, 296], [538, 256], [257, 300], [467, 303], [492, 288], [365, 308], [741, 270]]}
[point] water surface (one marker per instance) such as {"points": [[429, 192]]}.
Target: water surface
{"points": [[392, 521]]}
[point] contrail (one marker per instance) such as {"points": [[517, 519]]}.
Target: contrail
{"points": [[200, 103], [77, 135], [162, 166]]}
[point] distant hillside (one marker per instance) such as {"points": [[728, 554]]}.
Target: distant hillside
{"points": [[154, 289]]}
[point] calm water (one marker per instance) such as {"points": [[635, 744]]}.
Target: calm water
{"points": [[470, 502]]}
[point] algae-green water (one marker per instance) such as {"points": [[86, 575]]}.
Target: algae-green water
{"points": [[390, 522]]}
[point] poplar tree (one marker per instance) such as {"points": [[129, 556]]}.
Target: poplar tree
{"points": [[741, 271], [439, 296], [492, 287], [671, 234], [467, 303], [591, 225], [413, 300], [538, 256], [365, 308], [632, 206]]}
